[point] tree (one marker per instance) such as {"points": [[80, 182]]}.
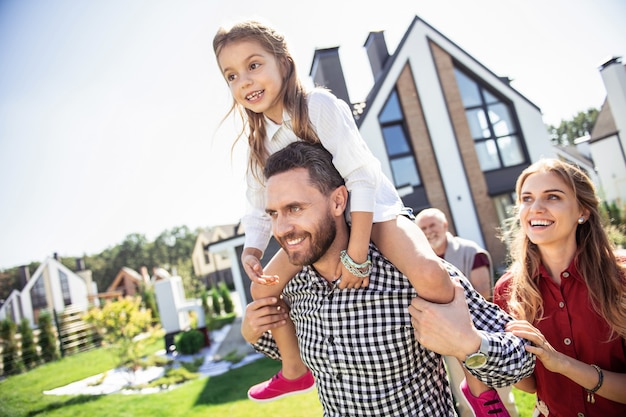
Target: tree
{"points": [[11, 363], [570, 130], [47, 338], [120, 323], [30, 357]]}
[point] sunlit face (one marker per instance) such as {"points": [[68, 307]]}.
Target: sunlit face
{"points": [[549, 211], [435, 230], [301, 216], [254, 77]]}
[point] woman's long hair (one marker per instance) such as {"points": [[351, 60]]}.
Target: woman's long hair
{"points": [[292, 91], [595, 258]]}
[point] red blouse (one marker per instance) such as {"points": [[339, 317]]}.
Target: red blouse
{"points": [[572, 327]]}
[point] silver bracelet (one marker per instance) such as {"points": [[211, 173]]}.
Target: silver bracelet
{"points": [[358, 270]]}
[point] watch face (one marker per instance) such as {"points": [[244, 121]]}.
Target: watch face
{"points": [[476, 360]]}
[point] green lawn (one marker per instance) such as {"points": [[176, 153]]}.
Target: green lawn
{"points": [[223, 395]]}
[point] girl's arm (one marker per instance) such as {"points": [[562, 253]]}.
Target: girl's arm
{"points": [[358, 249]]}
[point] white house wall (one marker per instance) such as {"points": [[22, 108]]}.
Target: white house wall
{"points": [[609, 157]]}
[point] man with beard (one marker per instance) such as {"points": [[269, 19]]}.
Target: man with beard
{"points": [[360, 344]]}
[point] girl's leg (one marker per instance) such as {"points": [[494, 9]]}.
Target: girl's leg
{"points": [[285, 336], [404, 244]]}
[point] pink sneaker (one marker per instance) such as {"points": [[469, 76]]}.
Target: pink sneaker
{"points": [[278, 387], [487, 405]]}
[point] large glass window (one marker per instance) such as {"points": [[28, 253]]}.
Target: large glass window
{"points": [[491, 124], [38, 294], [65, 288], [399, 149]]}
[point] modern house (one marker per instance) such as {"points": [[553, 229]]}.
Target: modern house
{"points": [[53, 287]]}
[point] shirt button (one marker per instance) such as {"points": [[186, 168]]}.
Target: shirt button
{"points": [[331, 340], [561, 304], [330, 297], [580, 415], [567, 341], [338, 377], [565, 274]]}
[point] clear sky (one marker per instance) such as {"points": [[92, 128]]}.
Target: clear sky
{"points": [[110, 109]]}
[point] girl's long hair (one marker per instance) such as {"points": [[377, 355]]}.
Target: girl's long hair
{"points": [[595, 258], [292, 91]]}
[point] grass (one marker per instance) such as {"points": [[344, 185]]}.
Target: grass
{"points": [[223, 395]]}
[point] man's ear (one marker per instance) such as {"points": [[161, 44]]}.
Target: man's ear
{"points": [[339, 200]]}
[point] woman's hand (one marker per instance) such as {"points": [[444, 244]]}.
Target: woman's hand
{"points": [[553, 360]]}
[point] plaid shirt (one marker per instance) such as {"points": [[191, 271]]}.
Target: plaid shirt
{"points": [[360, 345]]}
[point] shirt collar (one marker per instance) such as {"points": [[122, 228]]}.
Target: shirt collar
{"points": [[571, 270], [271, 128]]}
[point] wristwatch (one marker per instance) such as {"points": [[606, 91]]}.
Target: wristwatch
{"points": [[478, 359]]}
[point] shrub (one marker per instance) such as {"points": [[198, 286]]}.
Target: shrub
{"points": [[47, 338], [122, 323], [190, 342], [215, 301], [10, 359], [227, 301], [30, 356]]}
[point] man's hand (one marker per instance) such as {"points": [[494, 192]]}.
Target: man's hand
{"points": [[263, 315], [445, 328]]}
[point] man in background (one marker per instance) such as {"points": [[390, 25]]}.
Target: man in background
{"points": [[475, 263]]}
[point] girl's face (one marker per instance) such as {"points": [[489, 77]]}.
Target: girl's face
{"points": [[254, 77], [549, 211]]}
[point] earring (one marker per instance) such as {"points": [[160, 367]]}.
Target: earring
{"points": [[581, 220]]}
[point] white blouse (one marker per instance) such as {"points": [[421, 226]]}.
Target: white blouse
{"points": [[370, 190]]}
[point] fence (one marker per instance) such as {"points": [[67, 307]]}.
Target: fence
{"points": [[72, 333]]}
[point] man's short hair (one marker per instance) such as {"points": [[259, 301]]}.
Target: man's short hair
{"points": [[314, 157], [435, 212]]}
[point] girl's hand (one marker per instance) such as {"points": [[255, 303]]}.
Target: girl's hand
{"points": [[553, 360], [254, 270], [348, 280]]}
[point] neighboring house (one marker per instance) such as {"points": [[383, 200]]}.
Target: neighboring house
{"points": [[127, 282], [52, 287], [212, 266], [607, 142]]}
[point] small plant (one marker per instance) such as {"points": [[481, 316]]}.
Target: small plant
{"points": [[233, 357], [194, 365], [173, 377], [190, 342]]}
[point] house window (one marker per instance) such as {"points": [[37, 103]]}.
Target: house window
{"points": [[65, 288], [401, 157], [38, 294], [492, 125]]}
